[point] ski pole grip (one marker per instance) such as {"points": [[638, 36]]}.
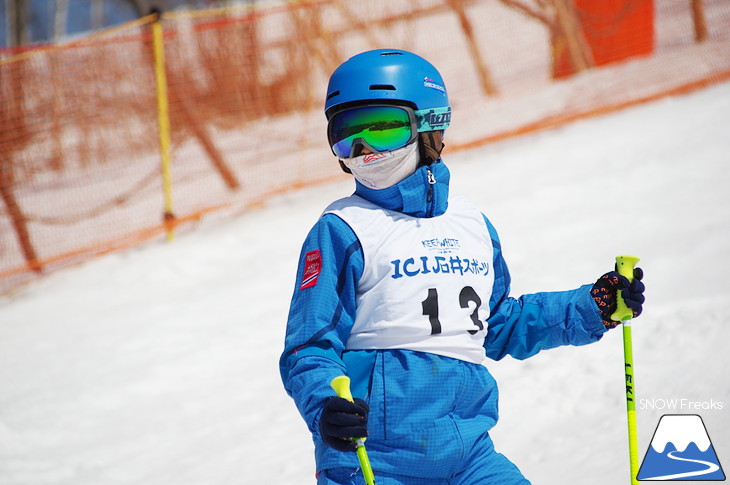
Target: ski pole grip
{"points": [[341, 385], [625, 267]]}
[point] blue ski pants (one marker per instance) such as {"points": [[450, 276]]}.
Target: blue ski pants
{"points": [[486, 467]]}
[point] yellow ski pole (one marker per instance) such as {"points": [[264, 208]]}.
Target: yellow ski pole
{"points": [[341, 385], [625, 267]]}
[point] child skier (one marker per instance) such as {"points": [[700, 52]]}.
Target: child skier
{"points": [[403, 288]]}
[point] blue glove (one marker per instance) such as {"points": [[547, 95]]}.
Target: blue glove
{"points": [[342, 420], [604, 294]]}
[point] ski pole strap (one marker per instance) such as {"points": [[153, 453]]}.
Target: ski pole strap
{"points": [[341, 385]]}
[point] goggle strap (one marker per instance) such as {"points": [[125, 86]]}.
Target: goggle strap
{"points": [[433, 119]]}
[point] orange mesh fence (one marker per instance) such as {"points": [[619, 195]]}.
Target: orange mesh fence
{"points": [[80, 171]]}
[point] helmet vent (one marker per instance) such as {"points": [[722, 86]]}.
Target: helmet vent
{"points": [[333, 94], [382, 87], [391, 54]]}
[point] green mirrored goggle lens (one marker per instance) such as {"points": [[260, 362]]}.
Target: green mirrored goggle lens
{"points": [[383, 128]]}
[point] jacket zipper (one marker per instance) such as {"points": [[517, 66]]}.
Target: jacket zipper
{"points": [[429, 196]]}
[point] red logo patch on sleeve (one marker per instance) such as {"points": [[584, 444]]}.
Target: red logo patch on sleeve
{"points": [[312, 266]]}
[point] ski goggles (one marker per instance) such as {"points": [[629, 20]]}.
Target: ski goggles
{"points": [[381, 128]]}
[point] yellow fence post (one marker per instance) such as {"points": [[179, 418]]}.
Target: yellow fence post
{"points": [[163, 119]]}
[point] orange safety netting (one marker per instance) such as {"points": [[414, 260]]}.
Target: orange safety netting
{"points": [[79, 140]]}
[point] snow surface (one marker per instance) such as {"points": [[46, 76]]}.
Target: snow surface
{"points": [[159, 365]]}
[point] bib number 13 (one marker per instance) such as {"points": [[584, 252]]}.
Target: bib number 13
{"points": [[467, 295]]}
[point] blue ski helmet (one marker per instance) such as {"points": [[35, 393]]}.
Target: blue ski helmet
{"points": [[389, 76]]}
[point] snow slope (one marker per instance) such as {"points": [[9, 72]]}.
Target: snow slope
{"points": [[159, 365]]}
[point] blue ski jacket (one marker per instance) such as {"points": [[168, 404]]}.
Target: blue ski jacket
{"points": [[426, 410]]}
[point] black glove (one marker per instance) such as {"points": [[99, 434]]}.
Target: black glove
{"points": [[604, 294], [342, 420]]}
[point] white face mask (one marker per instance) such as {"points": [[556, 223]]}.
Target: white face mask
{"points": [[382, 170]]}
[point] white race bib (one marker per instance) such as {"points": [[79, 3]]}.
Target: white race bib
{"points": [[427, 281]]}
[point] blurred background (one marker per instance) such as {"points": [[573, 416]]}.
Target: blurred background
{"points": [[43, 21], [105, 145]]}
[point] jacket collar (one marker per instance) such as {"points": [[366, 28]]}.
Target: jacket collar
{"points": [[423, 194]]}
